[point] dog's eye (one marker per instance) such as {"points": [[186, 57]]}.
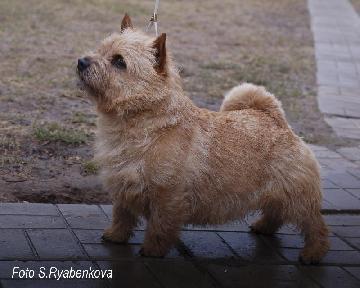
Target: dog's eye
{"points": [[118, 61]]}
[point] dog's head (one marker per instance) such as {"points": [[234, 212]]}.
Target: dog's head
{"points": [[126, 71]]}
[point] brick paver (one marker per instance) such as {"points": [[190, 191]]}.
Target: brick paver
{"points": [[260, 276], [335, 26], [65, 236], [220, 256], [63, 243], [331, 277], [340, 180]]}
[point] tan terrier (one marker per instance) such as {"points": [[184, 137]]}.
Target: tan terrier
{"points": [[173, 163]]}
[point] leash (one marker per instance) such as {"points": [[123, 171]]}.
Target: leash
{"points": [[154, 19]]}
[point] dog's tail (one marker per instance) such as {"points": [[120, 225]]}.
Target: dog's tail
{"points": [[250, 96]]}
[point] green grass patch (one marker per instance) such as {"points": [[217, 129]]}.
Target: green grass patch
{"points": [[53, 132], [82, 118], [90, 168]]}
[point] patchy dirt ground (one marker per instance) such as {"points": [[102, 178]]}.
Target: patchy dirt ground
{"points": [[46, 127]]}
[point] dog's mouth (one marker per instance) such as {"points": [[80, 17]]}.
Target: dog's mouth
{"points": [[81, 82], [80, 74], [84, 84], [82, 77]]}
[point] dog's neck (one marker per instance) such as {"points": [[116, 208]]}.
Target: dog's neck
{"points": [[171, 110]]}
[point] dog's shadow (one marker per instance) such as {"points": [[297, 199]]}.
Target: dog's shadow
{"points": [[253, 266], [249, 260]]}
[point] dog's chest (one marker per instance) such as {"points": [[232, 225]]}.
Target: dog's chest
{"points": [[122, 162]]}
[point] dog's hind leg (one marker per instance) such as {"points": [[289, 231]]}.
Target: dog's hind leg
{"points": [[270, 221], [305, 213], [316, 238]]}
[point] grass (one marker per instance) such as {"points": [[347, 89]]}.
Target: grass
{"points": [[9, 147], [82, 118], [8, 143], [90, 168], [266, 71], [54, 132], [120, 6]]}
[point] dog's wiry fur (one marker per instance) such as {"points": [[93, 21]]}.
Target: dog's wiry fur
{"points": [[173, 163]]}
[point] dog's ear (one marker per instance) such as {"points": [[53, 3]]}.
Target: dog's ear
{"points": [[126, 22], [160, 54]]}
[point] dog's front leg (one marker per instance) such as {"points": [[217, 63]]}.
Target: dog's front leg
{"points": [[123, 223], [164, 224]]}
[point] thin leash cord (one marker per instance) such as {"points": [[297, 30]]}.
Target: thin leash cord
{"points": [[154, 18]]}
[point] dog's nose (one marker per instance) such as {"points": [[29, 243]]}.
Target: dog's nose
{"points": [[83, 63]]}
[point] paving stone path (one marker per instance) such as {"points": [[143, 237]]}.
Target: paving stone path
{"points": [[65, 235], [340, 172], [336, 28]]}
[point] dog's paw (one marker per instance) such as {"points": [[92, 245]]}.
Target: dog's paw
{"points": [[113, 236], [307, 258]]}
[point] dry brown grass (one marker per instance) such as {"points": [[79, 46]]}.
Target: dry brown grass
{"points": [[217, 43]]}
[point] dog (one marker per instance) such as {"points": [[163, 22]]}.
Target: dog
{"points": [[165, 159]]}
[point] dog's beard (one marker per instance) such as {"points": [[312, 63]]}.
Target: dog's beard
{"points": [[86, 82], [80, 83], [82, 76]]}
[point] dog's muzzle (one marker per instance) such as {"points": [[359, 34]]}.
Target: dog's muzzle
{"points": [[83, 64]]}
